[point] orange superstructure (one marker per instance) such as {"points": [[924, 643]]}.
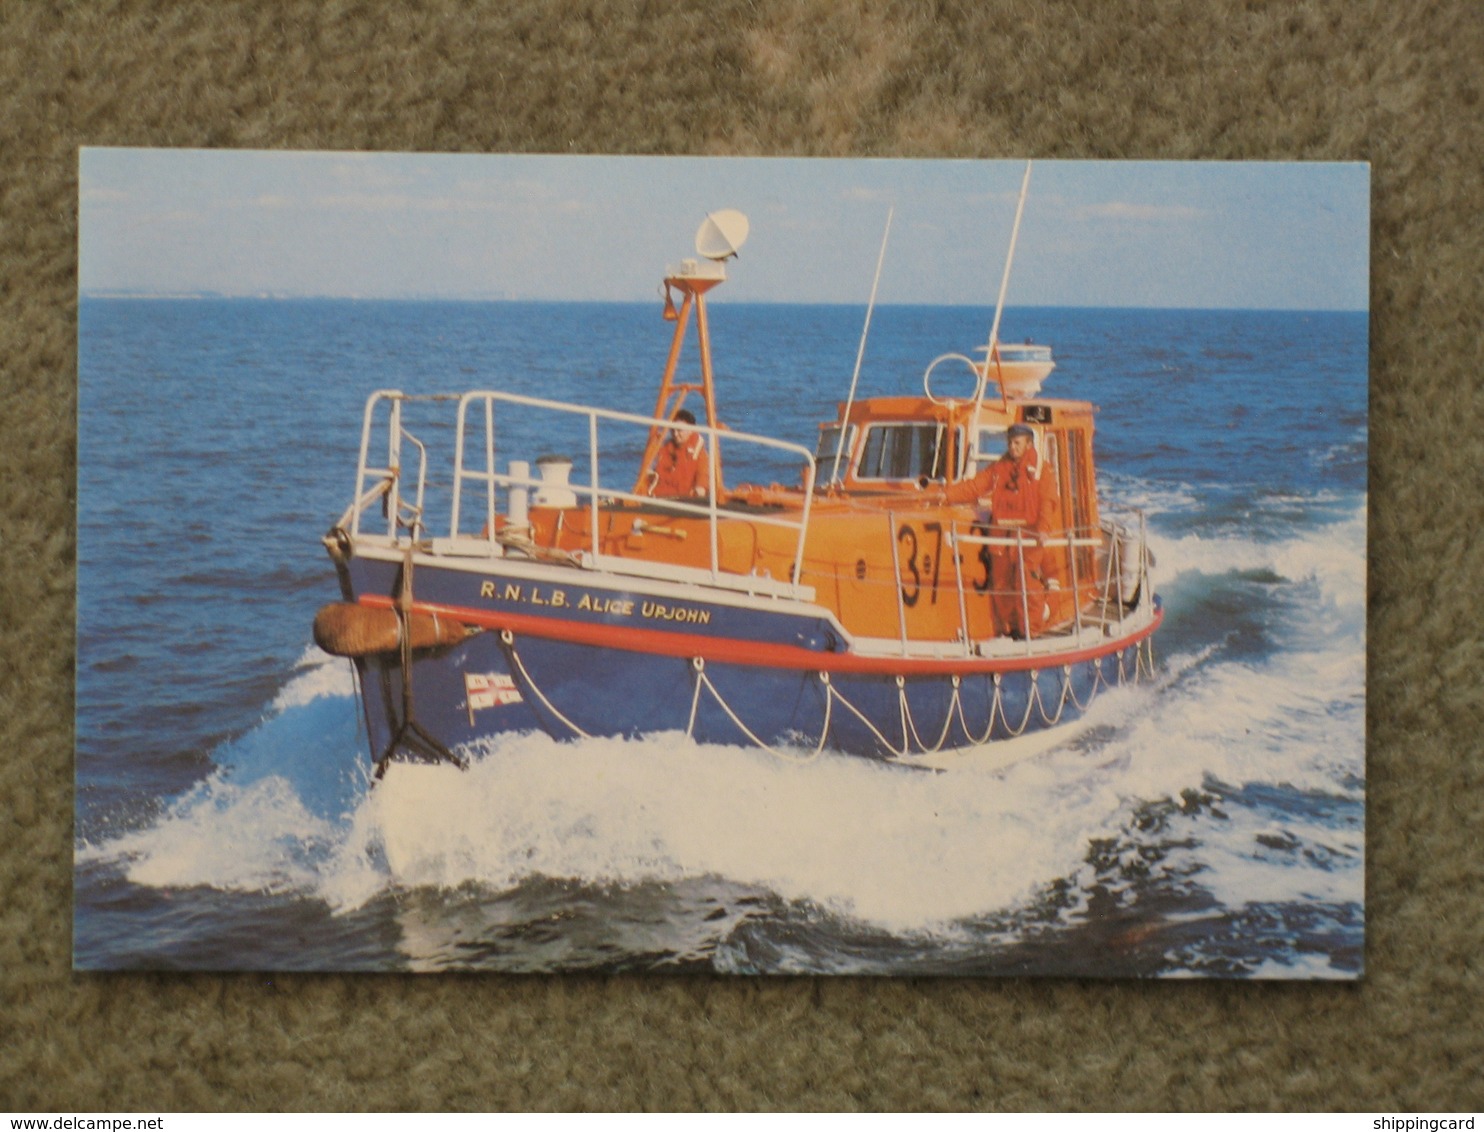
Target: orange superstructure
{"points": [[885, 550]]}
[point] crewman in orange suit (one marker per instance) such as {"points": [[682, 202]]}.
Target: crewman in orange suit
{"points": [[1015, 512], [682, 469]]}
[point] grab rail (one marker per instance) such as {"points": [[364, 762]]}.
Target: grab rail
{"points": [[1120, 562], [390, 477], [1110, 589], [595, 491]]}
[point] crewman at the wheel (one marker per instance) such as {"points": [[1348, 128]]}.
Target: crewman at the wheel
{"points": [[681, 469], [1012, 485]]}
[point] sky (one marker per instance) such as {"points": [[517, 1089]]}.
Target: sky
{"points": [[1245, 235]]}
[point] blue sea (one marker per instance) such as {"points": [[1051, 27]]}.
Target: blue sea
{"points": [[1210, 823]]}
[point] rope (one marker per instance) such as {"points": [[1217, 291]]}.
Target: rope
{"points": [[885, 742], [698, 664], [695, 698], [1030, 704], [521, 539], [963, 723], [1061, 701], [1068, 693], [910, 734], [410, 733], [908, 724], [507, 638]]}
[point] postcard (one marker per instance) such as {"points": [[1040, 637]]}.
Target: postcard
{"points": [[754, 566]]}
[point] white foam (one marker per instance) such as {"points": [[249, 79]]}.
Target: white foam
{"points": [[1333, 557], [1131, 494], [1256, 860], [316, 674], [895, 847], [256, 838], [1301, 966]]}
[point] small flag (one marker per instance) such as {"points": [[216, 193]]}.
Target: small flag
{"points": [[493, 689]]}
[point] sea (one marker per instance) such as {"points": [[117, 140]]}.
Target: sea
{"points": [[1207, 823]]}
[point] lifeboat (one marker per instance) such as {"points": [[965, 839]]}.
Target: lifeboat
{"points": [[933, 576]]}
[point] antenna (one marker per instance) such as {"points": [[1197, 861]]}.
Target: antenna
{"points": [[991, 353], [721, 234], [861, 353]]}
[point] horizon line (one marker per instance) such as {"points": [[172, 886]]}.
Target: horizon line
{"points": [[117, 295]]}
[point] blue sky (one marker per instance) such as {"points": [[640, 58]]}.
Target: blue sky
{"points": [[1155, 234]]}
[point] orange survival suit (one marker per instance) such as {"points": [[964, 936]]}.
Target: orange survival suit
{"points": [[1017, 510], [681, 469]]}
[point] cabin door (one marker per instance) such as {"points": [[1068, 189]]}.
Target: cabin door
{"points": [[1079, 501]]}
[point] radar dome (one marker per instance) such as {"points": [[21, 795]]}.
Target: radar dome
{"points": [[721, 234]]}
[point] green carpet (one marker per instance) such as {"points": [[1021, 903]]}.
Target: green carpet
{"points": [[1397, 85]]}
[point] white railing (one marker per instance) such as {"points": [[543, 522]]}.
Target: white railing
{"points": [[373, 481], [1119, 562], [387, 480], [1121, 587]]}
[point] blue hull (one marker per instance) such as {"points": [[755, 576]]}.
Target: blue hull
{"points": [[574, 691], [506, 680]]}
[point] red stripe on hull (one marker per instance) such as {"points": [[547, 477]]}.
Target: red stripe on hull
{"points": [[725, 650]]}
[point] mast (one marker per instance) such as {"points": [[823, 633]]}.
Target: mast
{"points": [[673, 393], [720, 236]]}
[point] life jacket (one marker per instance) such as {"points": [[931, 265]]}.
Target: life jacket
{"points": [[1012, 486], [682, 470], [1014, 490]]}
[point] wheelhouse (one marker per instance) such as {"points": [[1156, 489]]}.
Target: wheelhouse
{"points": [[902, 444]]}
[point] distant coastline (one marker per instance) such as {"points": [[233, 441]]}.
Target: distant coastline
{"points": [[282, 297]]}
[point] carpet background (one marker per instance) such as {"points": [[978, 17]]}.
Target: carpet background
{"points": [[1395, 84]]}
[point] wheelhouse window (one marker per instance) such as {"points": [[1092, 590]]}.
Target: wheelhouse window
{"points": [[992, 443], [824, 451], [904, 452], [989, 447]]}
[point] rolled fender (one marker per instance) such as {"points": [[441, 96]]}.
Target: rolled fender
{"points": [[344, 628]]}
